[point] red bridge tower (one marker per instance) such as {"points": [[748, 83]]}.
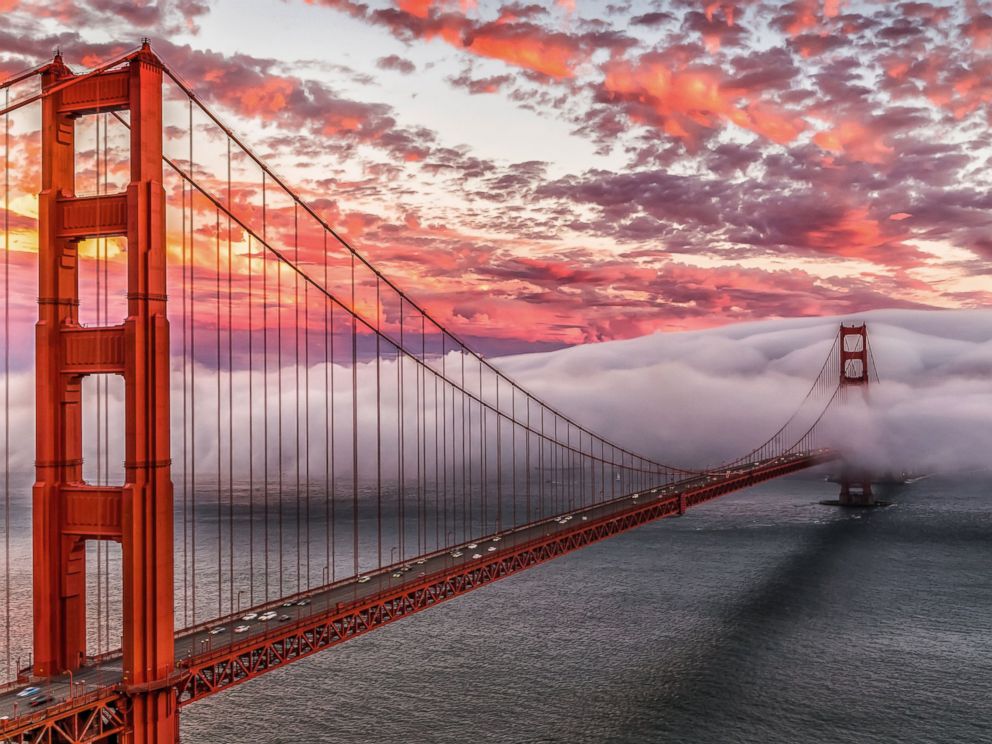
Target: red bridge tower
{"points": [[855, 485], [68, 511]]}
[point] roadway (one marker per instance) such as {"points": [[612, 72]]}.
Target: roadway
{"points": [[213, 637]]}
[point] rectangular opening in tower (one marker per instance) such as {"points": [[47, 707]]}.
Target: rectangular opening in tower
{"points": [[854, 342], [854, 369], [103, 597], [102, 281], [103, 430], [103, 155]]}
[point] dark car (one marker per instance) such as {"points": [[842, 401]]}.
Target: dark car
{"points": [[42, 699]]}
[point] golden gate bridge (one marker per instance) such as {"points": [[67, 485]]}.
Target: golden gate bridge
{"points": [[308, 454]]}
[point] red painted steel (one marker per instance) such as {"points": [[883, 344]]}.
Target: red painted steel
{"points": [[67, 511], [854, 355], [217, 670], [855, 485]]}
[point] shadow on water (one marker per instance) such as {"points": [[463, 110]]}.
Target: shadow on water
{"points": [[686, 701]]}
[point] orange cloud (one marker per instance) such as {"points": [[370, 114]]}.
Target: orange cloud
{"points": [[688, 99], [855, 234], [419, 8], [855, 140], [527, 46]]}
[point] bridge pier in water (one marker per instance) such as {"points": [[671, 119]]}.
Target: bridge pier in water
{"points": [[67, 511], [855, 358]]}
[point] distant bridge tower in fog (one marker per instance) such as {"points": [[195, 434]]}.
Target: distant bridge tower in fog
{"points": [[855, 368]]}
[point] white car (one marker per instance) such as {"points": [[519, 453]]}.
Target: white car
{"points": [[477, 555], [217, 631], [585, 518], [241, 629], [422, 561], [362, 580], [472, 546], [266, 616], [28, 691], [303, 603], [491, 548], [497, 538], [397, 575], [249, 616], [457, 554]]}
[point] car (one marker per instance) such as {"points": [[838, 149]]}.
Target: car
{"points": [[477, 555], [249, 616], [406, 568], [497, 538], [457, 554], [218, 630], [585, 518], [284, 618], [397, 575], [567, 518], [634, 497], [303, 603], [42, 699], [361, 580], [242, 629], [422, 561], [4, 719], [472, 546], [287, 604], [491, 548], [28, 691], [266, 616]]}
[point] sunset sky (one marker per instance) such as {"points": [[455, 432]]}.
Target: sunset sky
{"points": [[547, 174]]}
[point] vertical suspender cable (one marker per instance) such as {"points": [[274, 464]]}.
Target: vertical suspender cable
{"points": [[296, 371], [251, 432], [265, 389], [333, 484], [354, 421], [230, 387], [6, 381], [499, 462], [185, 345], [279, 446], [192, 370], [444, 434], [99, 404], [306, 409], [378, 423], [106, 396], [421, 448], [400, 440], [437, 465], [220, 436]]}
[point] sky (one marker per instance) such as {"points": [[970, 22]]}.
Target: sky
{"points": [[550, 174]]}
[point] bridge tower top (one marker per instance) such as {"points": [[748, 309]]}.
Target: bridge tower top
{"points": [[854, 355]]}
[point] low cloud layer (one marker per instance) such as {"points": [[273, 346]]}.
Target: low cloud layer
{"points": [[691, 399], [701, 397]]}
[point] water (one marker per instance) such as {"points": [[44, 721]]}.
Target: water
{"points": [[762, 617]]}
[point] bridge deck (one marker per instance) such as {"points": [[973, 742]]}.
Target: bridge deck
{"points": [[328, 615]]}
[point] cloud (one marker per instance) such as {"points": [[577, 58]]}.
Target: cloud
{"points": [[692, 398], [397, 63], [705, 396]]}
